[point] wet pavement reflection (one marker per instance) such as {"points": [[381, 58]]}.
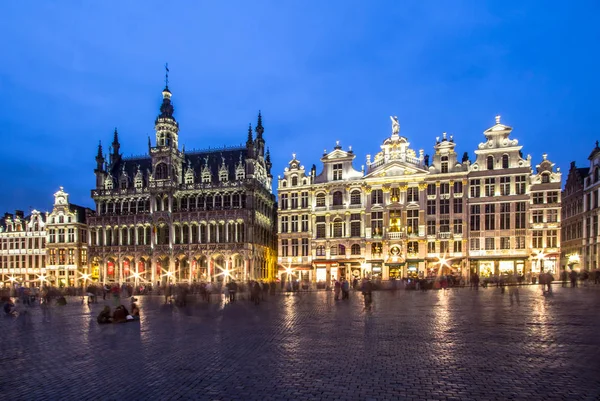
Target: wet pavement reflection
{"points": [[453, 344]]}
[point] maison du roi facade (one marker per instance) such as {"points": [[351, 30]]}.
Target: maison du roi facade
{"points": [[178, 216], [45, 248], [407, 216], [580, 240]]}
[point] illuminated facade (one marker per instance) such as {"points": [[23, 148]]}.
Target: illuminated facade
{"points": [[174, 216], [403, 216], [22, 248], [67, 242], [589, 259], [573, 218]]}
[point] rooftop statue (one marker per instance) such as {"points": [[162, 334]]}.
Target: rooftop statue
{"points": [[395, 125]]}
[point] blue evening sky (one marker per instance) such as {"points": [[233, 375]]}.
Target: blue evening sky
{"points": [[320, 71]]}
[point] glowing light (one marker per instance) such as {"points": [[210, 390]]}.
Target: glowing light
{"points": [[42, 278], [136, 275], [12, 279], [169, 274], [85, 276]]}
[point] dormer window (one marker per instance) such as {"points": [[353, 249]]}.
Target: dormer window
{"points": [[108, 184], [223, 176], [206, 177], [505, 161], [189, 177], [139, 183], [444, 166], [294, 181], [490, 162], [337, 171], [123, 183], [240, 175], [545, 178]]}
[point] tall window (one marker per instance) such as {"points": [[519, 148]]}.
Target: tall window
{"points": [[320, 251], [552, 197], [444, 188], [376, 223], [490, 244], [551, 215], [337, 198], [520, 184], [304, 199], [412, 221], [504, 161], [377, 196], [295, 224], [338, 228], [295, 201], [445, 225], [490, 162], [431, 207], [504, 185], [304, 246], [474, 244], [412, 247], [457, 204], [457, 246], [294, 180], [320, 226], [284, 224], [355, 225], [520, 220], [445, 206], [505, 216], [284, 247], [431, 189], [431, 247], [355, 197], [444, 161], [444, 247], [161, 171], [431, 227], [520, 242], [458, 226], [537, 239], [395, 195], [284, 201], [475, 218], [355, 250], [490, 183], [490, 217], [295, 247], [412, 194], [475, 186], [61, 235], [551, 239], [337, 171], [71, 235], [537, 216], [458, 187], [504, 242], [304, 223]]}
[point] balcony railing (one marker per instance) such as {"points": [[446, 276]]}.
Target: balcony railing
{"points": [[395, 235]]}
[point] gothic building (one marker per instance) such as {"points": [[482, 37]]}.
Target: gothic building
{"points": [[572, 249], [406, 216], [177, 216]]}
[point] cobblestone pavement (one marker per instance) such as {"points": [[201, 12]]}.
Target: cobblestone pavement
{"points": [[459, 344]]}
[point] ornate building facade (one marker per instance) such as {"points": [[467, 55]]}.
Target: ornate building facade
{"points": [[174, 216], [67, 242], [572, 249], [589, 259], [22, 248], [404, 216]]}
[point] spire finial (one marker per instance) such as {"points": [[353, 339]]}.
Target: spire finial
{"points": [[498, 119], [259, 127], [268, 156], [249, 134], [116, 136], [596, 143], [167, 75], [99, 150]]}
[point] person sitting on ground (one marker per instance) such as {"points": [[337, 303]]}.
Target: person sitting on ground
{"points": [[135, 310], [104, 316], [120, 315], [9, 306]]}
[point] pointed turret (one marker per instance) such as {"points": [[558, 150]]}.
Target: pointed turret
{"points": [[99, 157], [116, 146], [250, 142], [268, 162], [99, 170], [260, 142], [166, 127]]}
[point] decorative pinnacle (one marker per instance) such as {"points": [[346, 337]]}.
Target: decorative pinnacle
{"points": [[167, 76], [259, 127], [99, 150], [249, 134], [293, 156], [498, 119], [116, 136]]}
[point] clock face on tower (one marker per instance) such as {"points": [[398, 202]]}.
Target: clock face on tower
{"points": [[60, 200]]}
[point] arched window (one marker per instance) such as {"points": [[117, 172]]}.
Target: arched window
{"points": [[341, 250], [337, 198], [294, 181], [355, 197], [161, 172], [284, 183], [338, 228], [444, 166], [490, 162], [355, 249], [320, 200], [504, 161]]}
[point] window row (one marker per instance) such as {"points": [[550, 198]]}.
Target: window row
{"points": [[23, 262], [23, 243], [66, 257], [62, 235]]}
